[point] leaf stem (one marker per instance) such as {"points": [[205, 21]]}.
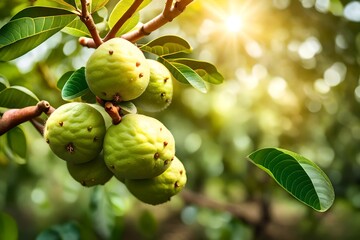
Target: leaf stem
{"points": [[14, 117], [128, 14]]}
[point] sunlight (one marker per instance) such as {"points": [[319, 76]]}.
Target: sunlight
{"points": [[234, 23]]}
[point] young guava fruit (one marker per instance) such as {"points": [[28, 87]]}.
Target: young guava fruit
{"points": [[117, 70], [94, 172], [75, 132], [159, 92], [138, 147], [159, 189]]}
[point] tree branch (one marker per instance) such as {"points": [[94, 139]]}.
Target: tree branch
{"points": [[14, 117], [169, 12], [88, 20], [114, 112], [249, 213], [128, 14]]}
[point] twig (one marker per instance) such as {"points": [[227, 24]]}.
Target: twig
{"points": [[39, 124], [248, 213], [114, 112], [88, 20], [169, 12], [128, 14], [14, 117]]}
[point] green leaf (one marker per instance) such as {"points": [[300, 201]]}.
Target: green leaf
{"points": [[184, 74], [128, 107], [17, 97], [77, 29], [16, 140], [119, 10], [76, 86], [167, 45], [67, 3], [4, 83], [64, 78], [8, 227], [68, 231], [29, 28], [97, 4], [206, 70], [299, 176]]}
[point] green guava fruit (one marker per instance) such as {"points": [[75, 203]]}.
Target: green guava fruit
{"points": [[75, 132], [117, 70], [138, 147], [159, 92], [94, 172], [159, 189]]}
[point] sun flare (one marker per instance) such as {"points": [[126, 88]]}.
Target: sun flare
{"points": [[233, 23]]}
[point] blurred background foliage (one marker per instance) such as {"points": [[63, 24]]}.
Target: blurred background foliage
{"points": [[292, 81]]}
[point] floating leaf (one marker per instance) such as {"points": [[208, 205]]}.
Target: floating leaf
{"points": [[299, 176], [17, 97], [4, 83], [206, 70], [29, 28], [16, 140], [76, 86], [184, 74], [167, 45], [119, 10], [77, 29], [8, 227]]}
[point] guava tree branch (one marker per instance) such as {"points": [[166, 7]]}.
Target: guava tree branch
{"points": [[128, 14], [14, 117], [169, 12], [114, 112], [88, 20]]}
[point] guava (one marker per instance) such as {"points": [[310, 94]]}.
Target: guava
{"points": [[94, 172], [138, 147], [159, 92], [159, 189], [75, 132], [117, 70]]}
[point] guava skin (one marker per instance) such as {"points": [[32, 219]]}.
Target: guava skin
{"points": [[94, 172], [117, 70], [138, 147], [75, 132], [159, 92], [159, 189]]}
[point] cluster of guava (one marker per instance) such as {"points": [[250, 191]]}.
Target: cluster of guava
{"points": [[139, 151]]}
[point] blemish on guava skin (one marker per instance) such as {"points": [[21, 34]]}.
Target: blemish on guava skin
{"points": [[117, 97], [89, 128], [172, 159], [167, 100], [166, 162], [176, 185], [162, 94], [70, 148], [112, 167], [166, 79], [156, 155], [165, 144], [138, 64], [181, 172], [47, 141], [95, 139], [141, 75], [61, 124], [111, 52]]}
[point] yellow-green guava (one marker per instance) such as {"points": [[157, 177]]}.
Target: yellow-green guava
{"points": [[159, 189], [159, 92], [94, 172], [117, 70], [138, 147], [75, 132]]}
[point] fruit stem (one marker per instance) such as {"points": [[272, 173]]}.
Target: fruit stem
{"points": [[13, 117], [114, 112]]}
